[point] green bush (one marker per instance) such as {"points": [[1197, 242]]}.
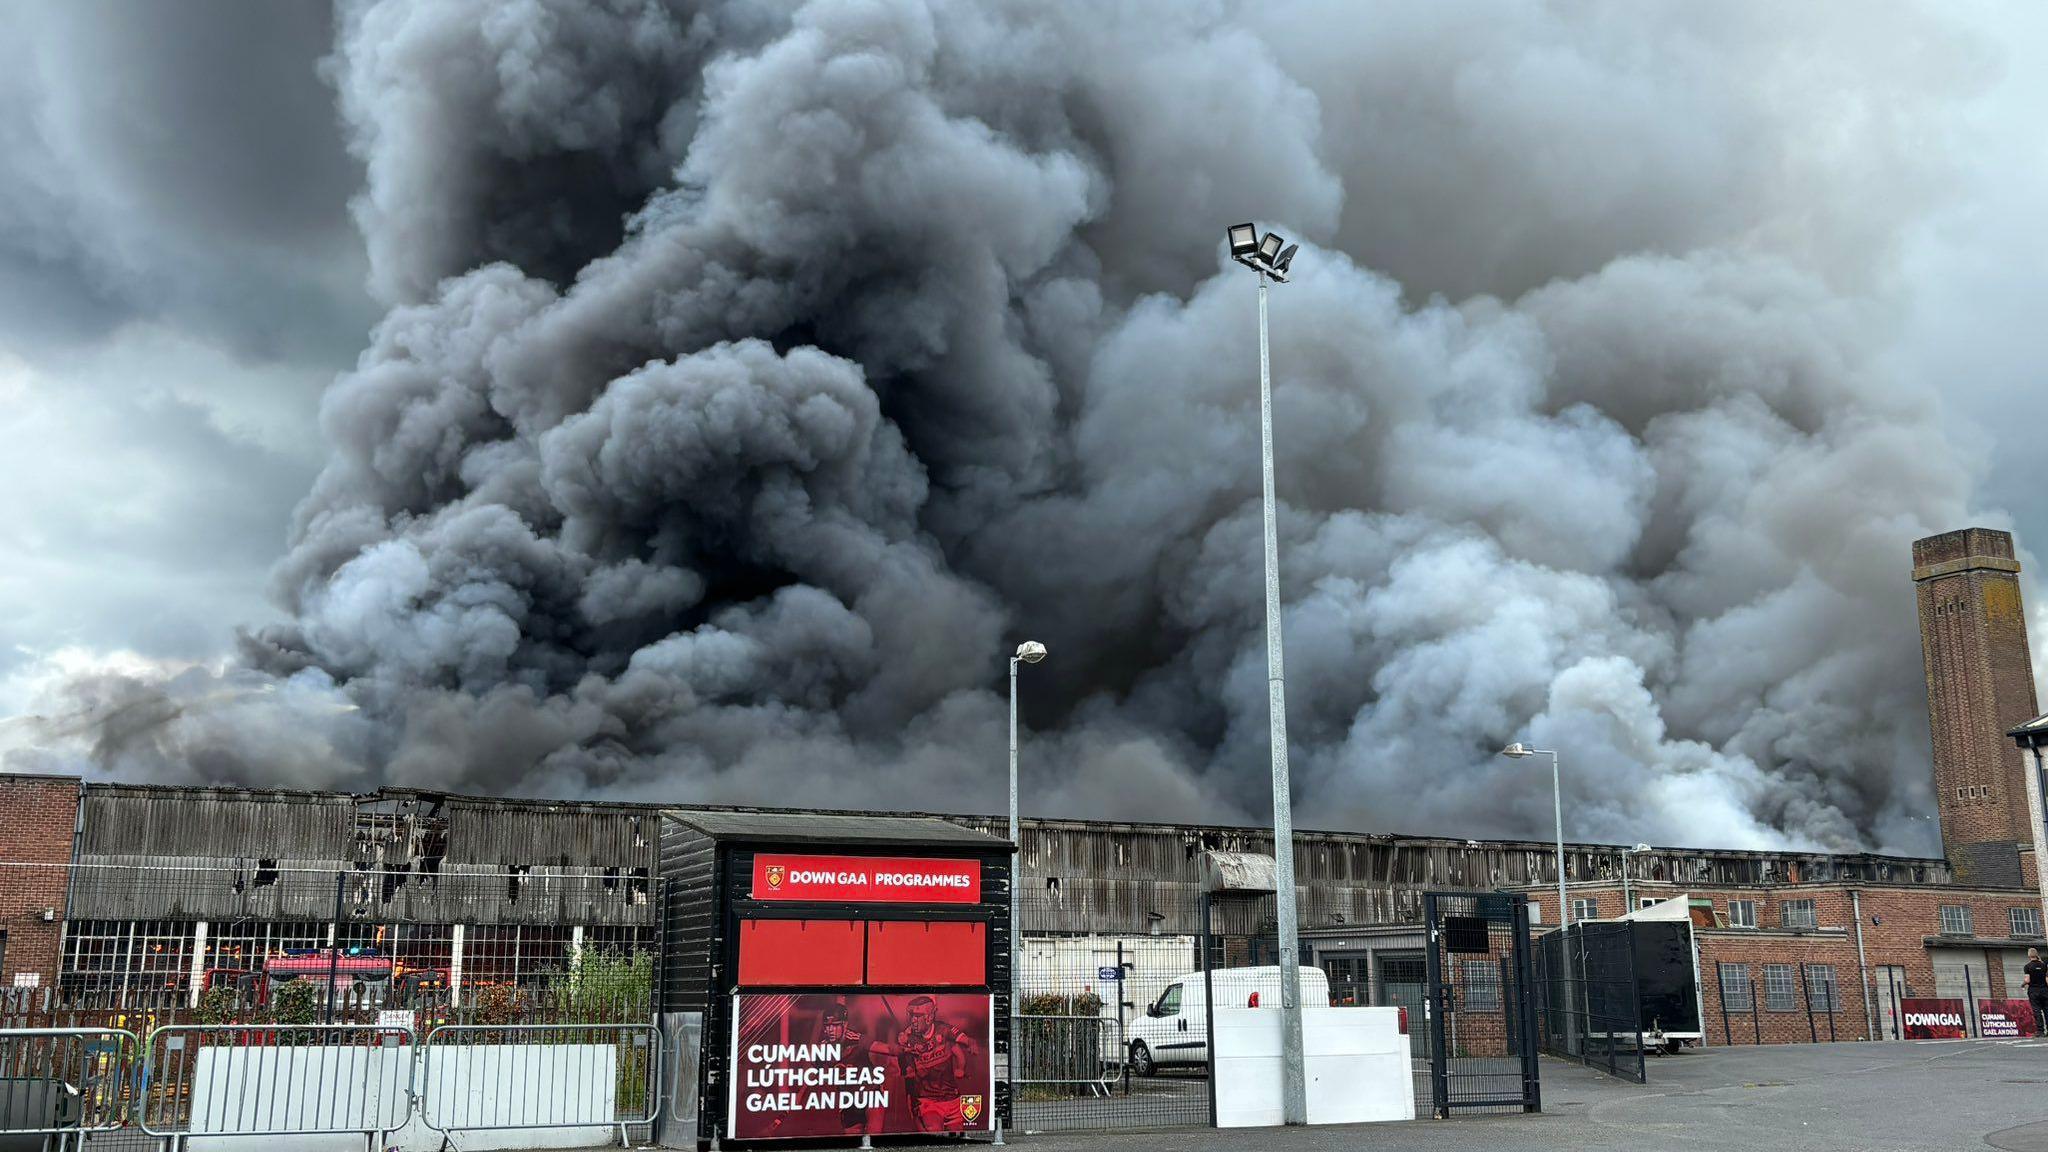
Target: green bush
{"points": [[220, 1006], [610, 987], [1057, 1004]]}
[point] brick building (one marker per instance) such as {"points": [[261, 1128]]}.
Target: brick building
{"points": [[37, 834], [1773, 959]]}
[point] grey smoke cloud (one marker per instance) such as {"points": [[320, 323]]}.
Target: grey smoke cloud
{"points": [[753, 378]]}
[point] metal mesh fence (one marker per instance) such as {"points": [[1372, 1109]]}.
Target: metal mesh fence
{"points": [[269, 956], [1587, 1008], [1110, 1030]]}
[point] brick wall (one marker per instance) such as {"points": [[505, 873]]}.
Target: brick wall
{"points": [[41, 814], [1980, 683], [1762, 1021], [1897, 925]]}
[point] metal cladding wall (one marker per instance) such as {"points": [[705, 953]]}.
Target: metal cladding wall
{"points": [[135, 820], [154, 853], [689, 916], [577, 835], [1094, 877]]}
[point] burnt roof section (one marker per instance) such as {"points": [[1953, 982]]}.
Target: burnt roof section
{"points": [[835, 829]]}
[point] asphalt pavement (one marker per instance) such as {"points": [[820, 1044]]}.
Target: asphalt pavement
{"points": [[1926, 1096]]}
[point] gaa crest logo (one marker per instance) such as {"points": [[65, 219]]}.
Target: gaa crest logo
{"points": [[776, 873], [970, 1108]]}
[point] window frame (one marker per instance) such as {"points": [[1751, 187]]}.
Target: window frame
{"points": [[1822, 995], [1735, 919], [1747, 988], [1966, 917], [2033, 914], [1781, 994], [1580, 905], [1798, 915], [1487, 981]]}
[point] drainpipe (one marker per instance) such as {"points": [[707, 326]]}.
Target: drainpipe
{"points": [[1863, 966]]}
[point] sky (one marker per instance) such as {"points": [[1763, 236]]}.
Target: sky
{"points": [[295, 299]]}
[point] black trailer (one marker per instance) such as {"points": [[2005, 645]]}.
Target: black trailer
{"points": [[1667, 984]]}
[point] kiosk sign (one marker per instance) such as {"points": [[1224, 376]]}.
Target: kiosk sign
{"points": [[866, 879], [1933, 1019], [861, 1064]]}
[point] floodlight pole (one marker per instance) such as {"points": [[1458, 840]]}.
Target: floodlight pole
{"points": [[1016, 926], [1294, 1101]]}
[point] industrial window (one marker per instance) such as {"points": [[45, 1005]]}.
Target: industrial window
{"points": [[1482, 986], [515, 956], [1820, 987], [1780, 993], [127, 963], [1956, 920], [1796, 914], [2026, 921], [1585, 908], [1742, 914], [1735, 992], [428, 948]]}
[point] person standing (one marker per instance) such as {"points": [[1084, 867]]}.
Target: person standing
{"points": [[2037, 990]]}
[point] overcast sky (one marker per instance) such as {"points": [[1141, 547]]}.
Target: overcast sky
{"points": [[181, 276], [179, 279]]}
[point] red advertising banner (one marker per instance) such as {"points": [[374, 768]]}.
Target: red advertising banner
{"points": [[2006, 1018], [860, 1063], [1933, 1019], [866, 879]]}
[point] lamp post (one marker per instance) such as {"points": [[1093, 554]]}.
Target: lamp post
{"points": [[1517, 752], [1270, 257], [1628, 903], [1564, 905], [1029, 652]]}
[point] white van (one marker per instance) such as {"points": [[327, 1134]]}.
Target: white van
{"points": [[1175, 1028]]}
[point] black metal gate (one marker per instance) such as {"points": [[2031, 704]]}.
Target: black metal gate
{"points": [[1481, 1018]]}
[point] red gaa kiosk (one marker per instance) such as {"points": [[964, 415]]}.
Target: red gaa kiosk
{"points": [[853, 972]]}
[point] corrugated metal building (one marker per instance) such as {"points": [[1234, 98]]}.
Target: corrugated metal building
{"points": [[171, 882]]}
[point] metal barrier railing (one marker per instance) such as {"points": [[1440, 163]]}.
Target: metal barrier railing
{"points": [[276, 1079], [477, 1076], [1085, 1052], [688, 1028], [65, 1080]]}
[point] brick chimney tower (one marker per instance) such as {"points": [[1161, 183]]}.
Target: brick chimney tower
{"points": [[1980, 684]]}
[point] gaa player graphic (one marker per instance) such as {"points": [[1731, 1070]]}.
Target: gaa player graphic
{"points": [[935, 1056], [834, 1028]]}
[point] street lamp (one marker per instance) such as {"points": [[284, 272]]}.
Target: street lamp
{"points": [[1517, 752], [1271, 257], [1628, 903], [1029, 652], [1564, 907]]}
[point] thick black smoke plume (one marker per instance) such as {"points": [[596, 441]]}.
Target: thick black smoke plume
{"points": [[756, 376]]}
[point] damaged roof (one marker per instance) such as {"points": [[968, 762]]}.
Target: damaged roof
{"points": [[832, 828]]}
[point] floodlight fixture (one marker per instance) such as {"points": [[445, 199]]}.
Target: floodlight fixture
{"points": [[1270, 246], [1244, 240]]}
